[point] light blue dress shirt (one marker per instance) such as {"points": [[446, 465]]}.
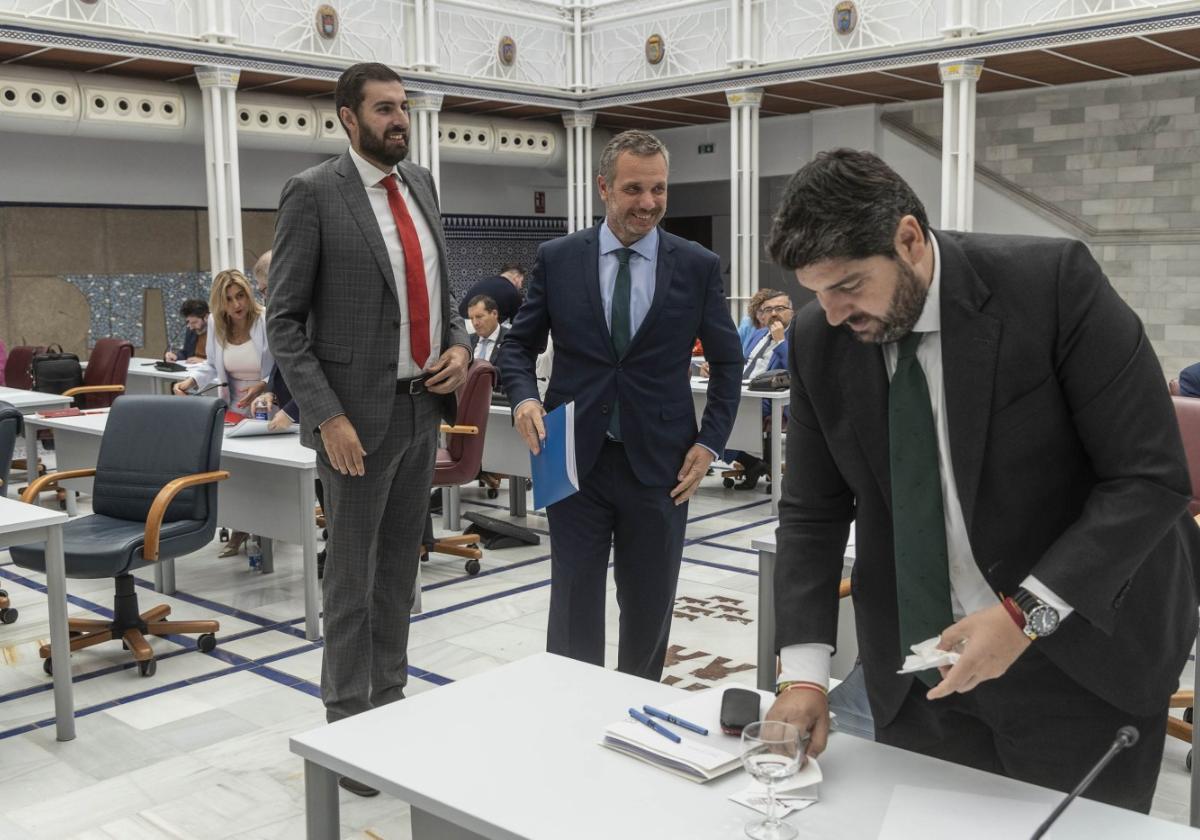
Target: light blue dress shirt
{"points": [[643, 267]]}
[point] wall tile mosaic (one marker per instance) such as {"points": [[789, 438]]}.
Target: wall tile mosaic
{"points": [[116, 302]]}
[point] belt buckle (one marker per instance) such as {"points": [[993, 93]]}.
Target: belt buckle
{"points": [[415, 386]]}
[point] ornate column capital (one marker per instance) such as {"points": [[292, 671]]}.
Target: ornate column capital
{"points": [[959, 69], [579, 119], [425, 101], [217, 77], [748, 98]]}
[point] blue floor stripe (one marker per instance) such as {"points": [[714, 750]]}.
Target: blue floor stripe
{"points": [[725, 547], [727, 568]]}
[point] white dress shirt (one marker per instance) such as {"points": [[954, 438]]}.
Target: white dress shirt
{"points": [[969, 590], [486, 344], [761, 354], [372, 176]]}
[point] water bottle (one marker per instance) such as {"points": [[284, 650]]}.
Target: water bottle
{"points": [[254, 551], [261, 408]]}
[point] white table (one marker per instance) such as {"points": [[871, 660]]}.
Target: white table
{"points": [[144, 378], [847, 636], [269, 492], [31, 402], [21, 523], [526, 764]]}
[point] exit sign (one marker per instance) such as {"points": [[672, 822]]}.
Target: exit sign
{"points": [[707, 148]]}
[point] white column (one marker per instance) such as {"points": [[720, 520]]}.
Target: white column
{"points": [[218, 87], [423, 111], [579, 169], [959, 80], [431, 45], [216, 21], [743, 204]]}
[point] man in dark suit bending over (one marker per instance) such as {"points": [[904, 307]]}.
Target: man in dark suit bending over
{"points": [[625, 302], [992, 416]]}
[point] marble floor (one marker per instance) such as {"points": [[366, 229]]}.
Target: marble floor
{"points": [[199, 750]]}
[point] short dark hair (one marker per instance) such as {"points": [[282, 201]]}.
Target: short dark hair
{"points": [[634, 141], [842, 205], [349, 90], [194, 307], [512, 267], [489, 303]]}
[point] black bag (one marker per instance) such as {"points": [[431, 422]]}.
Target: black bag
{"points": [[55, 371], [771, 380]]}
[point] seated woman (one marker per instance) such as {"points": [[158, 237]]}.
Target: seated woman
{"points": [[236, 354]]}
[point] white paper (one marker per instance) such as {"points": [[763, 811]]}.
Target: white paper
{"points": [[252, 427], [925, 655], [798, 792], [950, 815]]}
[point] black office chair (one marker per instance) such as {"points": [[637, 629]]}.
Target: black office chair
{"points": [[154, 498], [10, 428]]}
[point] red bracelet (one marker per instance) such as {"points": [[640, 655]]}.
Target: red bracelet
{"points": [[788, 685], [1014, 611]]}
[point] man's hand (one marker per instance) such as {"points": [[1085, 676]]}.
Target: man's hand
{"points": [[251, 393], [280, 421], [342, 446], [807, 710], [182, 387], [528, 420], [778, 330], [990, 642], [704, 369], [449, 371], [694, 468], [169, 356]]}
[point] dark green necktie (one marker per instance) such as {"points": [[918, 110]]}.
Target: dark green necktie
{"points": [[918, 523], [620, 326]]}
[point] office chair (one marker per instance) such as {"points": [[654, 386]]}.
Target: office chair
{"points": [[460, 461], [1187, 413], [105, 375], [154, 498], [17, 373], [10, 427]]}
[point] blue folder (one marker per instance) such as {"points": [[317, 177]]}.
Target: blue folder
{"points": [[553, 468]]}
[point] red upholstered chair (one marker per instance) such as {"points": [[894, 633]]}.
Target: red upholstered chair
{"points": [[104, 378], [1187, 412], [17, 372], [460, 461]]}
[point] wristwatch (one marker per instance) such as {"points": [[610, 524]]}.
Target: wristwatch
{"points": [[1041, 619]]}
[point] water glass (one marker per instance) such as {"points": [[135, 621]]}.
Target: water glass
{"points": [[772, 752]]}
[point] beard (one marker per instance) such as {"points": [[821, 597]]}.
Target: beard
{"points": [[908, 301], [377, 147]]}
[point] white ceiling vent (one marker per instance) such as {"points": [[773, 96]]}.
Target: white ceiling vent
{"points": [[131, 102], [466, 138], [43, 101]]}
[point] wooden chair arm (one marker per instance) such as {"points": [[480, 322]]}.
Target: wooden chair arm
{"points": [[94, 389], [50, 479], [158, 509], [1182, 700], [844, 588], [458, 430]]}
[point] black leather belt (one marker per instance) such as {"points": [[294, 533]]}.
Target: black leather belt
{"points": [[413, 386]]}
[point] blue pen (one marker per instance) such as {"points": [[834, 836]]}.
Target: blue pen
{"points": [[661, 730], [670, 718]]}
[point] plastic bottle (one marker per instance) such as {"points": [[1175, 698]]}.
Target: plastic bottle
{"points": [[261, 408], [254, 551]]}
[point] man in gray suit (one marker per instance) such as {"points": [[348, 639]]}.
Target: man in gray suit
{"points": [[361, 323]]}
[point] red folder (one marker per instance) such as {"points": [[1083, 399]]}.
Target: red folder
{"points": [[70, 411]]}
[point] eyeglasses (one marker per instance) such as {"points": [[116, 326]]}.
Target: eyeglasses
{"points": [[771, 310]]}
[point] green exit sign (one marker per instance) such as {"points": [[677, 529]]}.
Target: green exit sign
{"points": [[707, 148]]}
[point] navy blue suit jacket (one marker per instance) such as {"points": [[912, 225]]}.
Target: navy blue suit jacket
{"points": [[658, 418], [499, 289], [1189, 381]]}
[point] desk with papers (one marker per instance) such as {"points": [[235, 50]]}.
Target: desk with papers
{"points": [[31, 402]]}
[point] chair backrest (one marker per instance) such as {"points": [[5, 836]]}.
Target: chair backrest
{"points": [[150, 440], [1187, 412], [10, 428], [107, 365], [466, 451], [1173, 387], [16, 369]]}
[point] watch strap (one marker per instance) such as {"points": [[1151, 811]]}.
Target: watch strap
{"points": [[1014, 612]]}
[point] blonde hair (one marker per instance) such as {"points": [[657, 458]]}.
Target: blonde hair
{"points": [[216, 303]]}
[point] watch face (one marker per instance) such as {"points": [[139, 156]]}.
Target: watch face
{"points": [[1043, 619]]}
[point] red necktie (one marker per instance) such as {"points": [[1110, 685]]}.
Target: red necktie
{"points": [[414, 274]]}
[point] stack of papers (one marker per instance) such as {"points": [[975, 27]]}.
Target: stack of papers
{"points": [[249, 427]]}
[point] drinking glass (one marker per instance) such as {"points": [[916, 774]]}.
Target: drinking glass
{"points": [[771, 752]]}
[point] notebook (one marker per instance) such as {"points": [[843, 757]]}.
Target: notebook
{"points": [[553, 468]]}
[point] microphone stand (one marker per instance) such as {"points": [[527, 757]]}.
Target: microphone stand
{"points": [[1127, 736]]}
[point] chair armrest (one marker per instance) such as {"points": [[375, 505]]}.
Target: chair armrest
{"points": [[458, 430], [158, 509], [1182, 700], [844, 588], [50, 479], [94, 389]]}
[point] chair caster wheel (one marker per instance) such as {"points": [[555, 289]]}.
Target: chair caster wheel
{"points": [[492, 493], [1187, 714], [472, 567], [223, 535], [325, 534], [727, 483], [147, 668], [207, 642], [124, 645], [48, 666], [8, 615], [3, 593], [1188, 761]]}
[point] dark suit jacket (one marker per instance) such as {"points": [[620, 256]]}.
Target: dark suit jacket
{"points": [[1067, 459], [1189, 381], [492, 354], [192, 345], [777, 361], [499, 289], [277, 385], [658, 418], [333, 318]]}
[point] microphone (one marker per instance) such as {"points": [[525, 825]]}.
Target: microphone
{"points": [[1127, 736], [206, 389]]}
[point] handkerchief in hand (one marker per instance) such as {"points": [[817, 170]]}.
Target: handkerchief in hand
{"points": [[926, 655]]}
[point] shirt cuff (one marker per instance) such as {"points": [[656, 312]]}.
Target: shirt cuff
{"points": [[1047, 594], [808, 662], [716, 457], [522, 402]]}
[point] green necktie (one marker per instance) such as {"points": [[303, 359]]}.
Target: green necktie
{"points": [[620, 326], [918, 523]]}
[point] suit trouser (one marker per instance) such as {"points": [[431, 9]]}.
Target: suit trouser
{"points": [[1035, 724], [375, 523], [644, 529]]}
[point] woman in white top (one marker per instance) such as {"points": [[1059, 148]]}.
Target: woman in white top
{"points": [[237, 354]]}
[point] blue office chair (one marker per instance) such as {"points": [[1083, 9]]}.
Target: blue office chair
{"points": [[154, 498], [10, 428]]}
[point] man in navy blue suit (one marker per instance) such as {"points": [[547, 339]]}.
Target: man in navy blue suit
{"points": [[625, 302]]}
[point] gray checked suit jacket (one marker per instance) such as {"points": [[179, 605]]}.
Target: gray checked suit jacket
{"points": [[333, 318]]}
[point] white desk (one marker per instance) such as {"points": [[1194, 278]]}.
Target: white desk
{"points": [[31, 402], [526, 764], [269, 492], [144, 378], [21, 523]]}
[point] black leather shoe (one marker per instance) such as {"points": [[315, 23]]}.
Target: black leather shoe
{"points": [[751, 475], [321, 564], [357, 788]]}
